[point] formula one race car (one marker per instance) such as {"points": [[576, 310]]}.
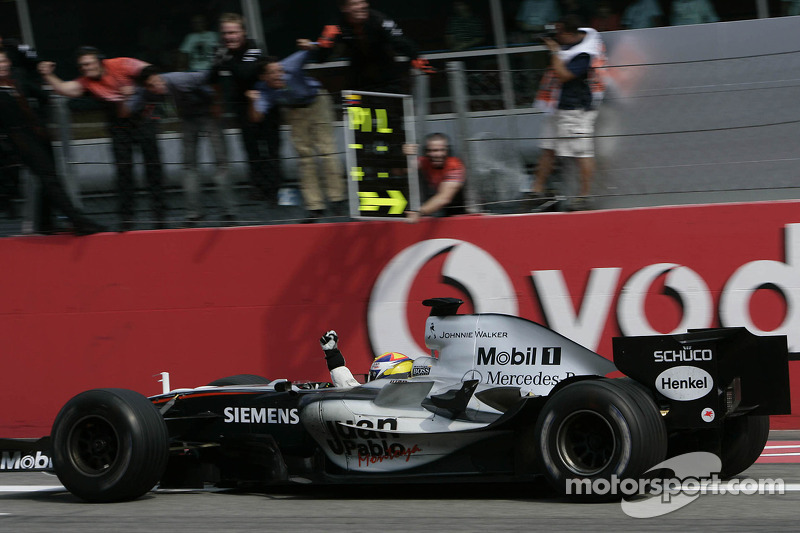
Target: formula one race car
{"points": [[501, 399]]}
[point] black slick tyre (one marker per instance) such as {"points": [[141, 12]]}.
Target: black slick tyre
{"points": [[743, 440], [596, 430], [109, 445]]}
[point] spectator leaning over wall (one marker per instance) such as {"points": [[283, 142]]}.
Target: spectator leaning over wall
{"points": [[113, 82], [308, 109], [442, 178]]}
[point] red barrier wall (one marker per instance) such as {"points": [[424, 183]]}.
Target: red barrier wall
{"points": [[112, 310]]}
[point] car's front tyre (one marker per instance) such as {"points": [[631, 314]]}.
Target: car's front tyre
{"points": [[109, 445]]}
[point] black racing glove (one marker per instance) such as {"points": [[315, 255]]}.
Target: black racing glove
{"points": [[330, 342]]}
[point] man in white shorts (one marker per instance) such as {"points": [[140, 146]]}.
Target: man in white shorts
{"points": [[569, 93]]}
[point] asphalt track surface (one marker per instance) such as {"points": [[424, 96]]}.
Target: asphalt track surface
{"points": [[35, 502]]}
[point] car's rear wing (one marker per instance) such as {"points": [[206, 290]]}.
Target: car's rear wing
{"points": [[705, 376]]}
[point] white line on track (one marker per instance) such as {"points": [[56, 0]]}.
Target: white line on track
{"points": [[31, 488], [21, 489], [777, 447], [712, 488]]}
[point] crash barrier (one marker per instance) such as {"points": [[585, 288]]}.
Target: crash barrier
{"points": [[115, 310]]}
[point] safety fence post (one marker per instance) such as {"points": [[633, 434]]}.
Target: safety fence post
{"points": [[459, 95], [422, 108], [63, 156]]}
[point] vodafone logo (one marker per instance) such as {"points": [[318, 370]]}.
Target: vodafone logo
{"points": [[611, 293], [473, 269]]}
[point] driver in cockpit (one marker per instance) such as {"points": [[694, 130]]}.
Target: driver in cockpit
{"points": [[388, 365]]}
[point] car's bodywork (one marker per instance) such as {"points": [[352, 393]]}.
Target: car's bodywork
{"points": [[500, 398]]}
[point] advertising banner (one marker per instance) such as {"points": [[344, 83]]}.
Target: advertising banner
{"points": [[115, 310]]}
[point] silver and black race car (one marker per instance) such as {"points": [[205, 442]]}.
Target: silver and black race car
{"points": [[500, 398]]}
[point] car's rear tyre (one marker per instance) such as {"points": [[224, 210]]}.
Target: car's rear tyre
{"points": [[109, 445], [595, 429], [743, 440], [651, 414], [240, 379]]}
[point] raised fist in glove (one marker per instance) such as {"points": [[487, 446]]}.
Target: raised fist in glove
{"points": [[329, 341]]}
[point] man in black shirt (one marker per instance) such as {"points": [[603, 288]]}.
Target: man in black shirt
{"points": [[237, 61], [28, 139], [371, 41], [21, 55], [23, 64]]}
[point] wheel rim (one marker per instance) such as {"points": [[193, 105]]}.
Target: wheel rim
{"points": [[586, 443], [93, 445]]}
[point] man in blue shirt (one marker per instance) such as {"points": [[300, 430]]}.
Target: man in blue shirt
{"points": [[308, 109]]}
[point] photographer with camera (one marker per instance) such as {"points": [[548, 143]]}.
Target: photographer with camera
{"points": [[569, 93]]}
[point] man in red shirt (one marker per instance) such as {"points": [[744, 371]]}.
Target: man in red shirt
{"points": [[112, 81], [443, 179]]}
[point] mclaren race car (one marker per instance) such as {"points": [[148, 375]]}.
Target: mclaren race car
{"points": [[501, 398]]}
